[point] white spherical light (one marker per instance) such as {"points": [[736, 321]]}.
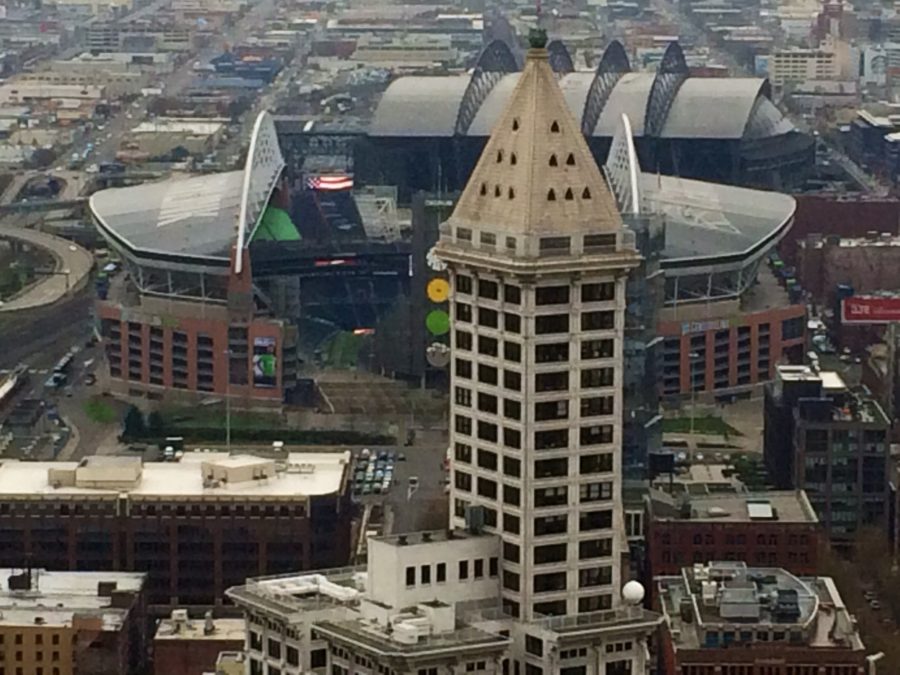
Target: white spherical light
{"points": [[633, 593]]}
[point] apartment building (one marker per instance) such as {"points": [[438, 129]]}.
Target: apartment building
{"points": [[195, 526], [823, 437]]}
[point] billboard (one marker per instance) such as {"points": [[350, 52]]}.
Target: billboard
{"points": [[870, 309], [265, 362]]}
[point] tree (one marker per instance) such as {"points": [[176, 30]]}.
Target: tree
{"points": [[156, 425], [134, 423]]}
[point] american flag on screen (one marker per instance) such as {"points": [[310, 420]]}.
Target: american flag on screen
{"points": [[330, 183]]}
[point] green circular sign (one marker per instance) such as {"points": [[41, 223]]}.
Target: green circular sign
{"points": [[437, 322]]}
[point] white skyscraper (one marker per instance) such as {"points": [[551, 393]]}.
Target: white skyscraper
{"points": [[538, 258], [527, 579]]}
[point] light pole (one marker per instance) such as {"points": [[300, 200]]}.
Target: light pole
{"points": [[693, 356]]}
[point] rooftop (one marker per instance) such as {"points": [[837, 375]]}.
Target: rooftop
{"points": [[201, 629], [428, 537], [725, 603], [204, 474], [784, 506], [55, 598]]}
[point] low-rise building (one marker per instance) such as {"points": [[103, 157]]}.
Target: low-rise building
{"points": [[159, 138], [866, 264], [831, 441], [773, 528], [197, 526], [427, 602], [63, 623], [726, 617], [191, 646]]}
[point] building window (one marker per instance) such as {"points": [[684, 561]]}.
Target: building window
{"points": [[551, 410], [511, 552], [551, 295], [410, 576], [511, 523], [550, 583], [556, 381], [512, 322], [596, 434], [425, 574], [551, 496], [274, 650], [463, 312], [602, 292], [488, 317], [551, 439], [549, 554], [487, 431], [441, 572], [594, 548], [597, 349], [534, 645], [595, 520], [547, 324], [512, 351], [487, 374], [487, 459], [488, 346], [551, 468], [462, 396], [487, 488], [512, 467], [463, 368], [512, 409], [596, 603], [463, 481], [462, 424], [550, 525], [463, 570], [511, 495], [463, 340], [512, 380], [463, 284], [487, 403], [463, 453], [512, 294], [554, 352], [512, 438], [596, 406], [510, 581], [594, 492], [594, 576], [597, 377], [488, 289], [596, 463], [604, 320], [478, 569]]}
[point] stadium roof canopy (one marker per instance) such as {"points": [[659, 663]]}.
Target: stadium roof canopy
{"points": [[195, 219], [667, 104]]}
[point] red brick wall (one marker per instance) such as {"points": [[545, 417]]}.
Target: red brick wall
{"points": [[672, 544], [189, 657]]}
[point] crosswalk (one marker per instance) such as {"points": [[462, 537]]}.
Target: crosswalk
{"points": [[38, 371]]}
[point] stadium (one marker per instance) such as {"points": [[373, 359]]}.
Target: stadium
{"points": [[230, 280], [427, 132]]}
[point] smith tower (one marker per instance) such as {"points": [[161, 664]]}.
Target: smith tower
{"points": [[538, 258]]}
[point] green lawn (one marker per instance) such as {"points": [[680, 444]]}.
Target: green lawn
{"points": [[100, 411], [712, 426]]}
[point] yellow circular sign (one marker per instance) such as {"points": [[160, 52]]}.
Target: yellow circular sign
{"points": [[438, 290]]}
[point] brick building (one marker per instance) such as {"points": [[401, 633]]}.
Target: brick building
{"points": [[186, 646], [196, 526], [831, 441], [867, 264], [774, 528], [728, 346], [729, 619], [63, 623]]}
